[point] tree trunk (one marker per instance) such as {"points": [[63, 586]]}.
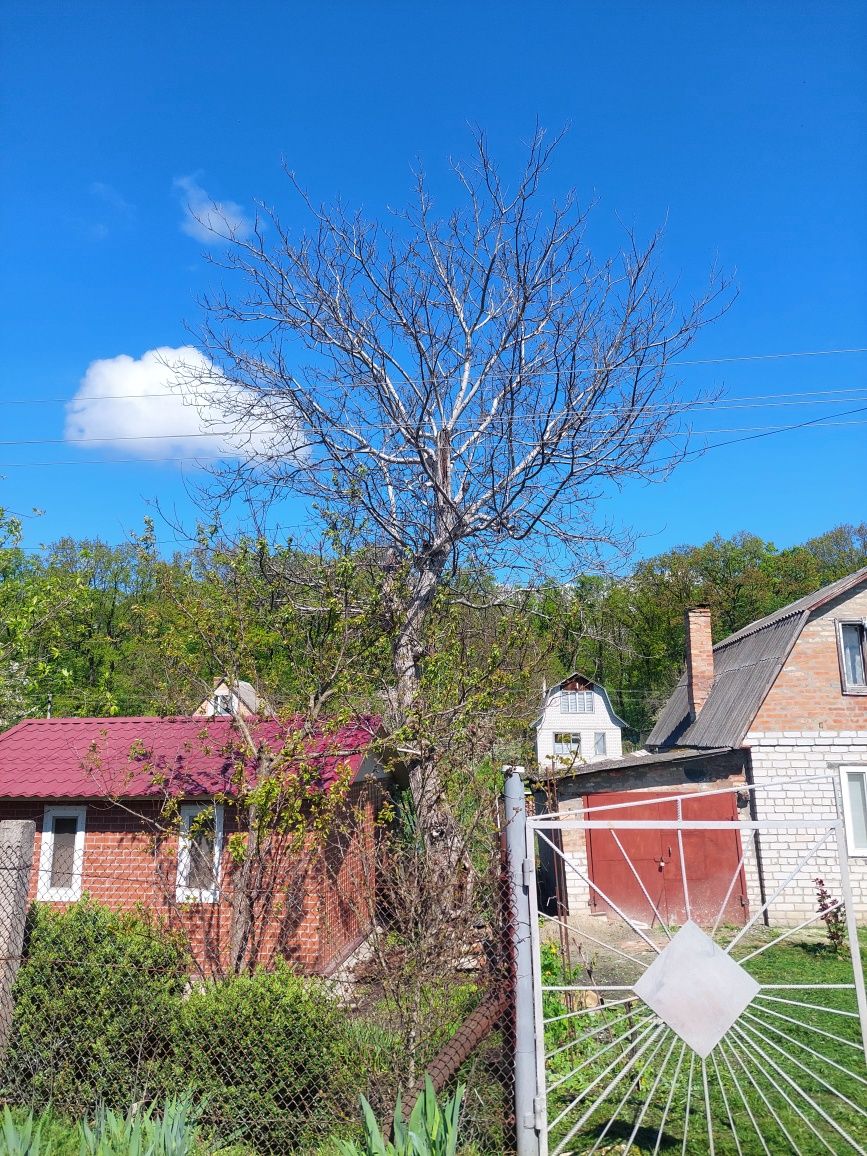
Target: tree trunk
{"points": [[243, 909]]}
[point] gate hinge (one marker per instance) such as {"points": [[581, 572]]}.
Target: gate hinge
{"points": [[527, 872], [539, 1113]]}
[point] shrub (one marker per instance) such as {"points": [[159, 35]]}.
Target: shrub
{"points": [[270, 1056], [97, 1001]]}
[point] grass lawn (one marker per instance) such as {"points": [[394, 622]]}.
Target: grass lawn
{"points": [[758, 1082]]}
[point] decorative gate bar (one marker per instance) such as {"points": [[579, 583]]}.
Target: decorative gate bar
{"points": [[708, 1035]]}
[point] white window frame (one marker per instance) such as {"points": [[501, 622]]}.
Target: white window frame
{"points": [[861, 623], [574, 748], [597, 735], [44, 890], [570, 700], [185, 894], [847, 769]]}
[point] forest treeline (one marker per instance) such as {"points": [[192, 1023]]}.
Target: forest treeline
{"points": [[91, 629]]}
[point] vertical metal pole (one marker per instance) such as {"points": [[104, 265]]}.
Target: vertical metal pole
{"points": [[521, 879], [851, 926], [16, 862]]}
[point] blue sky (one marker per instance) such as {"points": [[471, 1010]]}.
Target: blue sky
{"points": [[742, 125]]}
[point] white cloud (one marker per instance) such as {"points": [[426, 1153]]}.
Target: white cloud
{"points": [[170, 404], [208, 220]]}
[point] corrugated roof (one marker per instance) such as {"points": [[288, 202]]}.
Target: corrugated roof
{"points": [[745, 666], [76, 758], [628, 763]]}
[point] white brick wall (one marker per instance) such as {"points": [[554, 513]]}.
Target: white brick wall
{"points": [[787, 759], [575, 854]]}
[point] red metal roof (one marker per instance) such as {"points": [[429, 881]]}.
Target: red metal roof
{"points": [[86, 758]]}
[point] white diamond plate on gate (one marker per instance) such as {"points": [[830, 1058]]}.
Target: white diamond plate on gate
{"points": [[696, 989]]}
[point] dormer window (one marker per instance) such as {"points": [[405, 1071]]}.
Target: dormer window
{"points": [[576, 701], [852, 644], [222, 704]]}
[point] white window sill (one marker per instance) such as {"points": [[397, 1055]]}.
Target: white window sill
{"points": [[197, 895]]}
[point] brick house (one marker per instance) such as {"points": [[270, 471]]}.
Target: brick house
{"points": [[141, 812], [780, 706]]}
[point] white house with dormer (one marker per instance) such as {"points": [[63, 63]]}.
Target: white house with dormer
{"points": [[577, 725], [239, 699]]}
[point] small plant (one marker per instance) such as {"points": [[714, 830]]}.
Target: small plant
{"points": [[430, 1130], [142, 1133], [831, 913], [24, 1137]]}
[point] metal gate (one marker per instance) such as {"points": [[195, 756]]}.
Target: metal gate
{"points": [[715, 1036]]}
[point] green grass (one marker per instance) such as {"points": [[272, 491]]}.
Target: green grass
{"points": [[740, 1080]]}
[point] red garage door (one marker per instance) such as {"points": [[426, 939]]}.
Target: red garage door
{"points": [[626, 863]]}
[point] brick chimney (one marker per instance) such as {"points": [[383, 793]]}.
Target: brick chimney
{"points": [[699, 658]]}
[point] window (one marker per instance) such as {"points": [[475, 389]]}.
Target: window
{"points": [[199, 851], [853, 656], [576, 701], [566, 746], [222, 704], [855, 808], [599, 745], [61, 857]]}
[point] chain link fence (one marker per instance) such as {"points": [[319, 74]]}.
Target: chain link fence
{"points": [[135, 991]]}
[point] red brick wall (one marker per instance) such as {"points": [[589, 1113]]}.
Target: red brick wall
{"points": [[319, 901], [807, 694]]}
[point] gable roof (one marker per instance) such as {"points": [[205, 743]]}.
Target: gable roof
{"points": [[745, 665], [577, 676], [86, 758]]}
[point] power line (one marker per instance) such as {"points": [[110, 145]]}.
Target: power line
{"points": [[761, 401], [779, 356], [198, 459]]}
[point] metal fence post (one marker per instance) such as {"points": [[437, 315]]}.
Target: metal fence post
{"points": [[16, 862], [520, 880]]}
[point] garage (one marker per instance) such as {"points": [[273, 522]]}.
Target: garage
{"points": [[641, 872]]}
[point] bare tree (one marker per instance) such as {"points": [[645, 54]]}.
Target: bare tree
{"points": [[454, 387]]}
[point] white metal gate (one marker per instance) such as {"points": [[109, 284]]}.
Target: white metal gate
{"points": [[717, 1038]]}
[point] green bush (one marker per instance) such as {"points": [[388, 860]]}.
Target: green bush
{"points": [[97, 1002], [271, 1057]]}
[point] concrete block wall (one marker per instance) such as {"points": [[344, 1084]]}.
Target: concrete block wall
{"points": [[783, 763]]}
